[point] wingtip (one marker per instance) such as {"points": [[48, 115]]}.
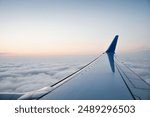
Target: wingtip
{"points": [[112, 46], [117, 36]]}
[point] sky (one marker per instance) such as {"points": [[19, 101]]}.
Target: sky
{"points": [[70, 27]]}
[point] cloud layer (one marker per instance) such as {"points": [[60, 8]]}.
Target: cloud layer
{"points": [[23, 74], [18, 74]]}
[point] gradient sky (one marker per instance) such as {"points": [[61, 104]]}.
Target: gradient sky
{"points": [[57, 27]]}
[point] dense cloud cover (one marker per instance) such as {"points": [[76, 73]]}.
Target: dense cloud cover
{"points": [[23, 74]]}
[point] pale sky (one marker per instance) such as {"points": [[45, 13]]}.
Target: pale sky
{"points": [[57, 27]]}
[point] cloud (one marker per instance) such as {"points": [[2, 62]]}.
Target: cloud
{"points": [[23, 75], [19, 75]]}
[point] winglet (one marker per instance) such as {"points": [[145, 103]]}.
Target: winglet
{"points": [[112, 46]]}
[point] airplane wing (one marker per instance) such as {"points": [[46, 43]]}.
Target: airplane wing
{"points": [[106, 77]]}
